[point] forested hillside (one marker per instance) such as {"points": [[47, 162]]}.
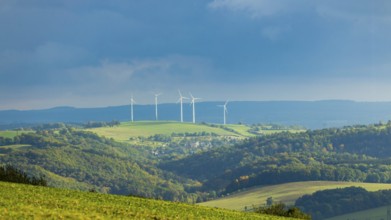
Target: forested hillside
{"points": [[77, 159], [333, 202], [357, 153]]}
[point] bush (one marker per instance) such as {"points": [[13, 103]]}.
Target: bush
{"points": [[281, 210]]}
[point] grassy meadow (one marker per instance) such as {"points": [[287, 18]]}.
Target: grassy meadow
{"points": [[18, 201], [370, 214], [11, 134], [127, 130], [286, 193]]}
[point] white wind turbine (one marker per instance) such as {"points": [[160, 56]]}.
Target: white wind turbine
{"points": [[225, 111], [131, 107], [193, 103], [156, 113], [181, 101]]}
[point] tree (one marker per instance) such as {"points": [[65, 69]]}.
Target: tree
{"points": [[269, 201]]}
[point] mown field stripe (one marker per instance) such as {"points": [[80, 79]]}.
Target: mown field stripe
{"points": [[286, 193]]}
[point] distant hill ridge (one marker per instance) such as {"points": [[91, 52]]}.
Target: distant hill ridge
{"points": [[311, 114]]}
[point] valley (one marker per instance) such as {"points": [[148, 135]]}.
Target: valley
{"points": [[232, 167], [211, 109]]}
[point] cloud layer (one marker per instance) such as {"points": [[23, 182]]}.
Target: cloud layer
{"points": [[96, 53]]}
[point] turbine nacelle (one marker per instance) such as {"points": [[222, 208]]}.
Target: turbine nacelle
{"points": [[181, 97], [156, 112], [131, 107], [180, 100], [193, 99], [225, 110], [132, 100]]}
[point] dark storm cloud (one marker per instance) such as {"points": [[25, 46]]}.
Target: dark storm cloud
{"points": [[65, 52]]}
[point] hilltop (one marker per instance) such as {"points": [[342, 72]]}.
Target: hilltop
{"points": [[127, 130]]}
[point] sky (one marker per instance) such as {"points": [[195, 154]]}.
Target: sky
{"points": [[95, 53]]}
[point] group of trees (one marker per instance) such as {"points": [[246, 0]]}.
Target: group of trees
{"points": [[8, 173], [281, 209], [257, 128], [333, 202], [97, 124]]}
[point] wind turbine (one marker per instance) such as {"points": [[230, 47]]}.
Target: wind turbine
{"points": [[131, 107], [225, 111], [193, 103], [181, 101], [156, 114]]}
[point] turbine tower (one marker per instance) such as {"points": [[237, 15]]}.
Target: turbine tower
{"points": [[131, 107], [181, 101], [193, 103], [156, 114], [225, 111]]}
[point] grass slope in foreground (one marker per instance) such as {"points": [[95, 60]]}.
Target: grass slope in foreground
{"points": [[286, 193], [18, 201]]}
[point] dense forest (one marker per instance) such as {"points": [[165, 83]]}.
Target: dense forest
{"points": [[72, 158], [334, 202]]}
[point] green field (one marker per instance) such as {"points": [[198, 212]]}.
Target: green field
{"points": [[7, 148], [241, 129], [286, 193], [19, 201], [370, 214], [127, 130], [11, 134], [14, 146]]}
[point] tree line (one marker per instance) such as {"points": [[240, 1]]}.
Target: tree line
{"points": [[334, 202], [9, 173]]}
